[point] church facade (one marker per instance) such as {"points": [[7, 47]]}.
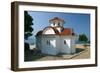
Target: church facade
{"points": [[55, 39]]}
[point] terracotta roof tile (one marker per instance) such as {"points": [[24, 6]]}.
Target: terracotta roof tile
{"points": [[65, 31]]}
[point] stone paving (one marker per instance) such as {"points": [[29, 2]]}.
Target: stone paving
{"points": [[82, 53]]}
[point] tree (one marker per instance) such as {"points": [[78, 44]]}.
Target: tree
{"points": [[27, 23], [27, 28], [83, 38]]}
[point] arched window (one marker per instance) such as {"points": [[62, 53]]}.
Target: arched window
{"points": [[54, 23], [58, 23], [48, 42], [64, 41]]}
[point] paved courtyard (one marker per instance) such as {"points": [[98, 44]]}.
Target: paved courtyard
{"points": [[81, 53]]}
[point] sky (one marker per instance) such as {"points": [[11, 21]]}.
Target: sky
{"points": [[78, 21]]}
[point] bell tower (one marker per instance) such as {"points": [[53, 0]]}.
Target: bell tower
{"points": [[57, 23]]}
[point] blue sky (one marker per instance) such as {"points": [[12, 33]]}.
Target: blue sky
{"points": [[78, 21]]}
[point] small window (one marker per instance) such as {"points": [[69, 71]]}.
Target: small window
{"points": [[48, 42], [64, 41], [58, 23], [54, 23]]}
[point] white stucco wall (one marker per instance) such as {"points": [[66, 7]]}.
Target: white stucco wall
{"points": [[63, 48], [57, 44], [73, 49], [49, 48], [66, 48], [69, 47], [71, 44], [38, 42]]}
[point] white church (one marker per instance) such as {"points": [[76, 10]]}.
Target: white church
{"points": [[56, 39]]}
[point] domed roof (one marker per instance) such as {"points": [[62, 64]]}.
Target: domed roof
{"points": [[56, 19], [56, 30], [52, 29], [65, 31], [39, 33]]}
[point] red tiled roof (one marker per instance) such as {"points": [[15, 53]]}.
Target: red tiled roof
{"points": [[65, 31]]}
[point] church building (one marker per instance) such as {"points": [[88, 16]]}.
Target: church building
{"points": [[56, 39]]}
